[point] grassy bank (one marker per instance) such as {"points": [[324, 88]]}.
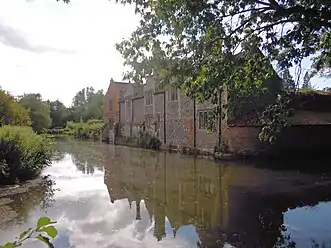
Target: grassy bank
{"points": [[90, 130], [23, 154]]}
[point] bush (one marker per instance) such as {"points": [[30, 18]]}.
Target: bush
{"points": [[145, 140], [89, 130], [23, 154]]}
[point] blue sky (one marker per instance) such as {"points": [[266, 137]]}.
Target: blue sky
{"points": [[57, 49]]}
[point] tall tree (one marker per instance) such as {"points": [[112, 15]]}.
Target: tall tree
{"points": [[200, 40], [11, 113], [58, 113], [87, 104], [39, 111], [306, 84], [288, 81]]}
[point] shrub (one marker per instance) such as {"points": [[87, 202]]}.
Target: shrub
{"points": [[145, 140], [89, 130], [23, 154], [11, 113]]}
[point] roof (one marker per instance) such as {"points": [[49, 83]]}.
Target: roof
{"points": [[119, 86]]}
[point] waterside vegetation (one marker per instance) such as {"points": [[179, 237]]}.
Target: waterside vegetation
{"points": [[23, 154], [44, 232]]}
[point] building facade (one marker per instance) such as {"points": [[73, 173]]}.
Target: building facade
{"points": [[181, 122], [176, 119]]}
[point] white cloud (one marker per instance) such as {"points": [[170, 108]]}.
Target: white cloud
{"points": [[57, 49]]}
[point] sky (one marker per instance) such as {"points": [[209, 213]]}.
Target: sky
{"points": [[56, 49]]}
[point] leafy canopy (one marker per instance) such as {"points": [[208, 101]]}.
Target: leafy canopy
{"points": [[11, 113], [87, 104], [39, 111], [197, 40]]}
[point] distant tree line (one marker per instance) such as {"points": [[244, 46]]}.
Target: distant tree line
{"points": [[32, 110]]}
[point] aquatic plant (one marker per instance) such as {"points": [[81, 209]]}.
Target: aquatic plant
{"points": [[44, 230], [23, 154]]}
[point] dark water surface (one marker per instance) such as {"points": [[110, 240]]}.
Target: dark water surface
{"points": [[106, 196]]}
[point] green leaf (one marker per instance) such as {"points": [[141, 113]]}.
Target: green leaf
{"points": [[25, 233], [50, 230], [45, 240], [8, 245], [44, 221]]}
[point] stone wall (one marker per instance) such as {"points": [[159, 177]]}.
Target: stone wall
{"points": [[206, 139], [181, 131], [159, 111]]}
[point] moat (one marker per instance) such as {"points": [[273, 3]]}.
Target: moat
{"points": [[113, 196]]}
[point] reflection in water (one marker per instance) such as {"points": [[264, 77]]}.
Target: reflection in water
{"points": [[227, 203], [39, 193], [123, 197]]}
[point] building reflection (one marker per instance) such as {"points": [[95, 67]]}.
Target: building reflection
{"points": [[240, 205]]}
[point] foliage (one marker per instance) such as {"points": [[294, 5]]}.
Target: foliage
{"points": [[58, 113], [44, 230], [23, 154], [39, 111], [288, 81], [11, 113], [89, 130], [327, 89], [87, 104], [275, 118], [197, 38], [306, 84], [145, 140], [195, 45]]}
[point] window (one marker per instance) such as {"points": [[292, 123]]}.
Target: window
{"points": [[149, 97], [129, 103], [203, 119], [173, 94], [110, 105]]}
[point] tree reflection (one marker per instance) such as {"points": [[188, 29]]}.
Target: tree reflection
{"points": [[24, 198], [82, 164], [239, 205]]}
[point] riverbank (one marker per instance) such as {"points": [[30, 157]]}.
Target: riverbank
{"points": [[215, 154], [23, 154], [90, 130], [91, 176], [202, 153]]}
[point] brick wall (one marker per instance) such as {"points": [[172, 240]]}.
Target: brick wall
{"points": [[302, 117], [242, 140]]}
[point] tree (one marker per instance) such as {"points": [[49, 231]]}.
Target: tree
{"points": [[87, 104], [39, 111], [11, 113], [58, 113], [306, 84], [288, 81], [200, 40]]}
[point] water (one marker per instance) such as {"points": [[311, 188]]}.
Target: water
{"points": [[106, 196]]}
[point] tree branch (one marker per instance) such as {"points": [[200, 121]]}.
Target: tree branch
{"points": [[263, 3]]}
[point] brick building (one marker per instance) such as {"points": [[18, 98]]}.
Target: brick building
{"points": [[168, 114], [179, 121]]}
